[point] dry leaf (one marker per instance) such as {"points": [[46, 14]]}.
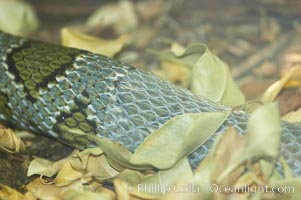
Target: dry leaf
{"points": [[177, 49], [203, 173], [268, 172], [45, 167], [121, 16], [42, 167], [79, 40], [210, 77], [264, 132], [117, 155], [97, 166], [285, 168], [132, 177], [9, 141], [174, 72], [84, 155], [17, 17], [122, 190], [293, 116], [225, 154], [155, 149], [67, 175], [272, 92], [7, 192]]}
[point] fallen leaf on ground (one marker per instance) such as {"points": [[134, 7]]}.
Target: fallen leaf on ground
{"points": [[289, 79], [44, 167], [17, 17], [7, 192], [155, 149], [293, 116], [9, 141], [79, 40], [175, 72], [121, 16], [210, 77]]}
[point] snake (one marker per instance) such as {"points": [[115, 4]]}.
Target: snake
{"points": [[68, 93]]}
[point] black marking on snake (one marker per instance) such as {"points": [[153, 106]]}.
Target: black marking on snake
{"points": [[4, 108], [79, 108], [63, 59]]}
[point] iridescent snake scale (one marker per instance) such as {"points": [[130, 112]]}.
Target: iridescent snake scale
{"points": [[47, 88]]}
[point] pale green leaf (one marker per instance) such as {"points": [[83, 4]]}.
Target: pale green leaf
{"points": [[264, 132], [9, 141], [183, 133], [17, 17], [268, 171], [131, 177], [117, 155], [208, 77], [42, 167], [187, 57], [160, 155], [94, 163], [211, 78], [286, 169], [75, 39], [290, 78], [85, 154], [177, 49], [203, 174], [121, 189], [232, 95], [67, 175]]}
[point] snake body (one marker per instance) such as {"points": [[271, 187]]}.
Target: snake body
{"points": [[67, 93]]}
